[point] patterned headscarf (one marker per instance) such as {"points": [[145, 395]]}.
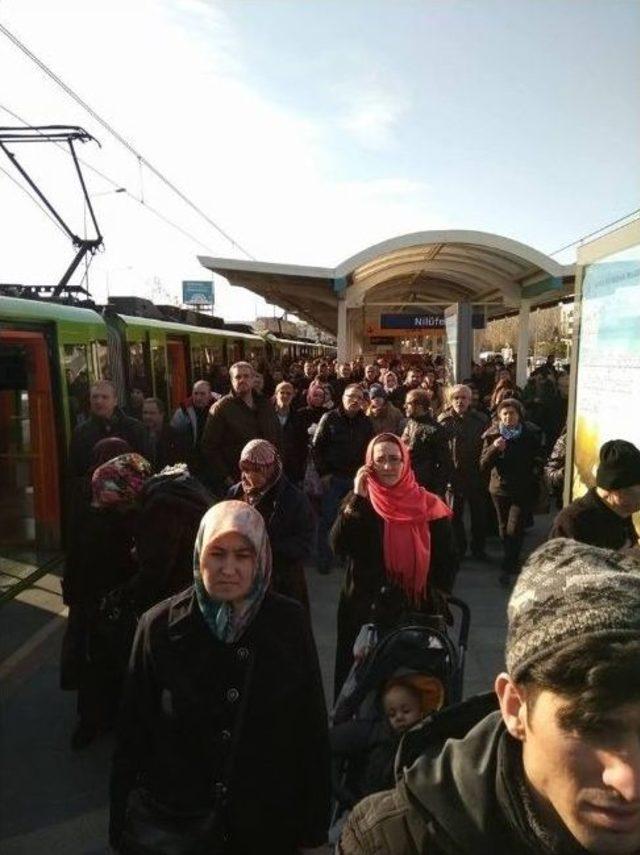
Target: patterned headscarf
{"points": [[263, 456], [119, 481], [226, 622]]}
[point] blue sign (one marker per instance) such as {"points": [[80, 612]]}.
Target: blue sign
{"points": [[423, 321], [197, 293]]}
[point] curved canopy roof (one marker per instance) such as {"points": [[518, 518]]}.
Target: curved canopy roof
{"points": [[436, 268]]}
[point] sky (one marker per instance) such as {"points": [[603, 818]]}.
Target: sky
{"points": [[312, 129]]}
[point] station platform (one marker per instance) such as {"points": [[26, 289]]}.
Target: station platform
{"points": [[56, 801]]}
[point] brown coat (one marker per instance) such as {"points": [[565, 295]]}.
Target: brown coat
{"points": [[388, 420], [231, 424]]}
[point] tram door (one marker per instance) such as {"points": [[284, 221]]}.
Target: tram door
{"points": [[178, 383], [29, 486]]}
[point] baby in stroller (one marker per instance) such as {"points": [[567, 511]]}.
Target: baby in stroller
{"points": [[408, 674], [370, 746]]}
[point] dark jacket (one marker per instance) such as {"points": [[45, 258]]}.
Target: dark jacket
{"points": [[464, 434], [295, 445], [589, 520], [430, 455], [367, 593], [230, 426], [340, 443], [180, 708], [94, 429], [166, 448], [515, 472], [99, 556], [171, 507], [291, 528], [463, 796]]}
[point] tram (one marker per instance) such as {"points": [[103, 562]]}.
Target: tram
{"points": [[51, 353]]}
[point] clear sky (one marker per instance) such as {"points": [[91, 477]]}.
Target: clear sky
{"points": [[310, 129]]}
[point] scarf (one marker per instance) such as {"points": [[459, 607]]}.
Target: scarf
{"points": [[511, 433], [225, 622], [407, 509], [119, 481], [262, 456]]}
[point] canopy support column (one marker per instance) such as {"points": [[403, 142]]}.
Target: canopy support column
{"points": [[343, 331], [523, 343]]}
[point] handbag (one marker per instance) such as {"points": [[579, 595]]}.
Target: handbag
{"points": [[153, 829]]}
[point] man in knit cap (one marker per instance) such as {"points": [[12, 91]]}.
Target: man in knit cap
{"points": [[555, 768], [602, 516]]}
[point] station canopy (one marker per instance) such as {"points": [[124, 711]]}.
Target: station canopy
{"points": [[434, 268]]}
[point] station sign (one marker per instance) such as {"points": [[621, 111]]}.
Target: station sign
{"points": [[197, 293], [404, 321]]}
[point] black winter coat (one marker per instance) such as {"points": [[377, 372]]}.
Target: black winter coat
{"points": [[464, 434], [94, 429], [340, 443], [589, 520], [367, 594], [515, 472], [291, 528], [99, 557], [295, 444], [430, 455], [171, 507], [179, 711]]}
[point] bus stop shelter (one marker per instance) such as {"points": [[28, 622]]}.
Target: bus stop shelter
{"points": [[465, 273]]}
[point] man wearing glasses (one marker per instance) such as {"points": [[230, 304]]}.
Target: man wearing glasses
{"points": [[339, 447]]}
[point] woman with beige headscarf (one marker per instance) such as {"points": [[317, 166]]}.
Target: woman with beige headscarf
{"points": [[223, 740]]}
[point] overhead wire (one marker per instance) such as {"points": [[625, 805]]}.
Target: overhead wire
{"points": [[33, 199], [115, 184], [141, 159], [596, 232]]}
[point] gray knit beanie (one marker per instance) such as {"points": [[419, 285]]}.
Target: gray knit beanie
{"points": [[569, 590]]}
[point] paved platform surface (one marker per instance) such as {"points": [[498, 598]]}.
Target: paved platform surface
{"points": [[54, 801]]}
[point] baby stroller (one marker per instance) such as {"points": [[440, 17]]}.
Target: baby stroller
{"points": [[422, 651]]}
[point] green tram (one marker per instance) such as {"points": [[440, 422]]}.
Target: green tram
{"points": [[51, 353]]}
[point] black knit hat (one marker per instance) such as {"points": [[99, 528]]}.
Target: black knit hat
{"points": [[619, 465], [567, 591]]}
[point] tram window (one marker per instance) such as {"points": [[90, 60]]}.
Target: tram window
{"points": [[213, 356], [159, 365], [197, 363], [76, 373], [234, 351], [138, 377], [101, 360]]}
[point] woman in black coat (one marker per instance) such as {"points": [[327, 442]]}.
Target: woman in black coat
{"points": [[287, 514], [100, 560], [512, 453], [223, 713], [380, 586]]}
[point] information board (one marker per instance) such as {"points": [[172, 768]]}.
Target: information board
{"points": [[607, 403]]}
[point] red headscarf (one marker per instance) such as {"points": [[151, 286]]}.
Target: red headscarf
{"points": [[407, 509]]}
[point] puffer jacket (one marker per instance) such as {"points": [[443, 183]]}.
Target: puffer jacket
{"points": [[340, 443]]}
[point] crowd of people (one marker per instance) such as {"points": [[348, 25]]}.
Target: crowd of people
{"points": [[189, 617]]}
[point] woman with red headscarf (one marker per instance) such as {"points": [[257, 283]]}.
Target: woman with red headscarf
{"points": [[398, 542]]}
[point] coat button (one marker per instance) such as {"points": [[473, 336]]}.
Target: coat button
{"points": [[243, 653], [225, 735], [232, 695]]}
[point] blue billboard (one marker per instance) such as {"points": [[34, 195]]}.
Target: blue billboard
{"points": [[197, 293]]}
